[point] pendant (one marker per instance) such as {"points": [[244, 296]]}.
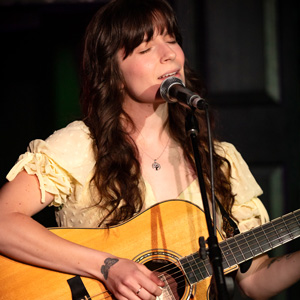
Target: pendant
{"points": [[156, 165]]}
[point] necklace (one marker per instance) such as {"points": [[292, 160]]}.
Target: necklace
{"points": [[156, 165]]}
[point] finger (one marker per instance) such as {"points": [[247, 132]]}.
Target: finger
{"points": [[131, 291], [142, 293], [139, 290], [153, 276], [150, 287], [125, 293], [153, 285]]}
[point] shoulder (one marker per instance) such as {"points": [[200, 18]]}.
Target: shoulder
{"points": [[73, 132], [229, 151], [70, 147], [243, 183], [66, 155], [72, 139], [226, 150]]}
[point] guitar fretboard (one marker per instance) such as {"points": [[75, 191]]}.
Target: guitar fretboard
{"points": [[245, 246]]}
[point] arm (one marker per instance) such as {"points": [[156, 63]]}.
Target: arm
{"points": [[269, 276], [26, 240]]}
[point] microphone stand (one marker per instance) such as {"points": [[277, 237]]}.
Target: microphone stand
{"points": [[215, 255]]}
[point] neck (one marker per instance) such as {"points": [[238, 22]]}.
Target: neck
{"points": [[149, 120]]}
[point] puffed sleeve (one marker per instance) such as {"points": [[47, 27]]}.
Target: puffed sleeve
{"points": [[248, 208], [60, 163]]}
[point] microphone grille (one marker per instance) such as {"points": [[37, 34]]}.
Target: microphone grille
{"points": [[166, 85]]}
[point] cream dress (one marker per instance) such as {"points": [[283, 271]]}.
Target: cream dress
{"points": [[64, 165]]}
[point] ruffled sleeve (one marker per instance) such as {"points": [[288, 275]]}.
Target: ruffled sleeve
{"points": [[61, 162], [248, 208]]}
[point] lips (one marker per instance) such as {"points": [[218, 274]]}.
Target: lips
{"points": [[168, 75]]}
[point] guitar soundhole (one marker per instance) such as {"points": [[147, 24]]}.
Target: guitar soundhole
{"points": [[172, 275]]}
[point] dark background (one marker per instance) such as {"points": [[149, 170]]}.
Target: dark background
{"points": [[247, 52]]}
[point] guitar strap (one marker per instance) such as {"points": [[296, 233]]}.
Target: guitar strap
{"points": [[233, 230], [78, 289]]}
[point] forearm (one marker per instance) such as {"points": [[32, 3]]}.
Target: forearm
{"points": [[26, 240], [269, 276], [36, 245]]}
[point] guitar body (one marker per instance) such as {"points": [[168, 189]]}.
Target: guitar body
{"points": [[165, 232]]}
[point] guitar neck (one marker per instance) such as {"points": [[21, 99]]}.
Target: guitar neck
{"points": [[245, 246]]}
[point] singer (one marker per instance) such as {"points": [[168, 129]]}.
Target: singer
{"points": [[122, 161]]}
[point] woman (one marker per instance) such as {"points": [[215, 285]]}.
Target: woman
{"points": [[130, 152]]}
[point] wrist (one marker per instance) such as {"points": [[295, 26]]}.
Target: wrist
{"points": [[100, 265]]}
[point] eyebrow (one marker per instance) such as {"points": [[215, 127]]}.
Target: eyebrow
{"points": [[164, 33]]}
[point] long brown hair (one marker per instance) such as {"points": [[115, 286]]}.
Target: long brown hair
{"points": [[123, 24]]}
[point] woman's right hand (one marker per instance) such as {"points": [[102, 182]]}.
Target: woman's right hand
{"points": [[129, 280]]}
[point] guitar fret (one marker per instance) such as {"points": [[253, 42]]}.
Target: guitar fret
{"points": [[224, 249], [204, 270], [228, 253], [244, 246], [197, 272], [248, 237], [189, 270], [292, 225], [277, 239], [297, 217], [254, 244], [239, 254], [186, 267], [255, 232], [267, 246], [269, 231], [290, 235], [195, 268], [260, 237], [281, 230]]}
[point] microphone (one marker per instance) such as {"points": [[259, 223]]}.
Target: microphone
{"points": [[173, 90]]}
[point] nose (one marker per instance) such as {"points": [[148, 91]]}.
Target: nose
{"points": [[167, 53]]}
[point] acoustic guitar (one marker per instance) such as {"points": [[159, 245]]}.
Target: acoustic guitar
{"points": [[164, 238]]}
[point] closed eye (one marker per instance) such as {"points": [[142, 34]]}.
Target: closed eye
{"points": [[145, 51]]}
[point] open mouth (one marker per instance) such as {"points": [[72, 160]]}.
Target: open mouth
{"points": [[167, 75]]}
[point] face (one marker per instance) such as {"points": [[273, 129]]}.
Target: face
{"points": [[147, 67]]}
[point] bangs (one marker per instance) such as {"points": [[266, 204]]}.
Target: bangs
{"points": [[143, 21]]}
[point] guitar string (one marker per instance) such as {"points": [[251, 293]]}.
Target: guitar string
{"points": [[268, 239], [282, 224], [181, 276], [206, 261], [266, 243], [177, 282]]}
